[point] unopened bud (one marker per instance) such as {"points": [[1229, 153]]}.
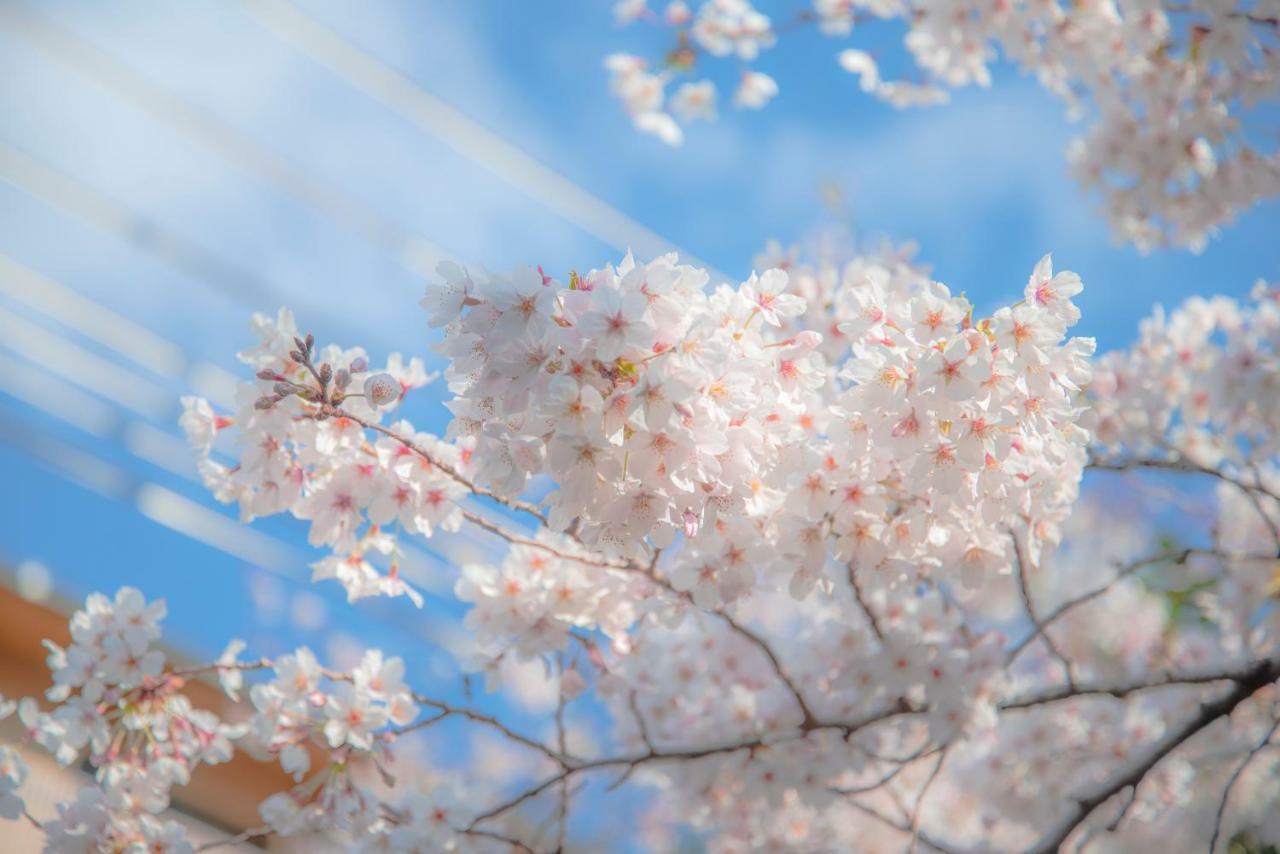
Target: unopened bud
{"points": [[809, 339], [311, 342], [264, 403], [267, 374], [283, 389], [336, 398], [297, 356], [299, 343], [343, 378], [326, 373], [359, 366], [382, 390]]}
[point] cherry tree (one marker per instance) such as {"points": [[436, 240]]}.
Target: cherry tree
{"points": [[1169, 91], [815, 543]]}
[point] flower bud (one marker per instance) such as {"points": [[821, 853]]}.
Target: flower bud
{"points": [[268, 374], [359, 366], [809, 339], [311, 342], [326, 373], [382, 390], [343, 378], [264, 403], [283, 389]]}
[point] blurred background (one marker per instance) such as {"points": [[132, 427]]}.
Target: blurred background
{"points": [[167, 169]]}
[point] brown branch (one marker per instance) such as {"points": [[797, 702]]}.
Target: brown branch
{"points": [[475, 489], [515, 844], [862, 603], [1261, 674], [517, 540], [884, 819], [924, 791], [1123, 571], [1251, 491], [562, 814], [898, 767], [241, 837], [1231, 782], [644, 729], [849, 728], [809, 721], [1122, 691], [1020, 561], [447, 709]]}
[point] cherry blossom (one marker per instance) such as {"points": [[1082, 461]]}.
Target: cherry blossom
{"points": [[816, 543], [1168, 91]]}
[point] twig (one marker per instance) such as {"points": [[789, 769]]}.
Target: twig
{"points": [[924, 790], [651, 756], [862, 603], [1176, 556], [1231, 782], [1020, 560], [241, 837], [517, 540], [475, 489], [1259, 675], [490, 721]]}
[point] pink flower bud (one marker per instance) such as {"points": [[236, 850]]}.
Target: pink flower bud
{"points": [[809, 339], [382, 390]]}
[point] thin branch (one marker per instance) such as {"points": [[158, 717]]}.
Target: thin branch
{"points": [[884, 819], [490, 721], [562, 814], [849, 728], [1260, 674], [1251, 491], [924, 791], [644, 729], [241, 837], [1020, 559], [1179, 464], [1231, 782], [1123, 571], [1121, 691], [517, 540], [515, 844], [475, 489], [898, 768], [862, 603], [809, 720]]}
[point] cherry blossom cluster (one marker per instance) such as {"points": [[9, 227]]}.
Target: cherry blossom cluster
{"points": [[1201, 385], [119, 707], [116, 705], [814, 540], [293, 456], [349, 718], [1169, 89]]}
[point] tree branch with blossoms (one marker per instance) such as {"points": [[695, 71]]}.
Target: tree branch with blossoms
{"points": [[1168, 90], [802, 535]]}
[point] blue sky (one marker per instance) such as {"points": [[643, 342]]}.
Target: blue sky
{"points": [[182, 165]]}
